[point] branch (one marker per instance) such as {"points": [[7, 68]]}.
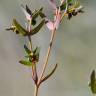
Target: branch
{"points": [[47, 56]]}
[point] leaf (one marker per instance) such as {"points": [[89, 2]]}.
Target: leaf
{"points": [[49, 75], [69, 1], [63, 5], [36, 29], [28, 10], [33, 22], [42, 15], [27, 50], [36, 13], [12, 28], [19, 28], [26, 63], [93, 82], [36, 53], [93, 77], [36, 50]]}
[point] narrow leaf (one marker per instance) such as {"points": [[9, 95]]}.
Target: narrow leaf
{"points": [[63, 5], [42, 15], [36, 50], [33, 22], [26, 63], [93, 82], [36, 13], [70, 1], [19, 28], [49, 75], [28, 10], [11, 28], [93, 77], [27, 50], [36, 29], [36, 53]]}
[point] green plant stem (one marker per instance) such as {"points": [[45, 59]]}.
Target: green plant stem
{"points": [[33, 69], [30, 43], [47, 56]]}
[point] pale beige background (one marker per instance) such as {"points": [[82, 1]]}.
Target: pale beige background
{"points": [[74, 50]]}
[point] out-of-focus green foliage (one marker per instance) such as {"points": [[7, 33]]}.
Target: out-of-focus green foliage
{"points": [[92, 83]]}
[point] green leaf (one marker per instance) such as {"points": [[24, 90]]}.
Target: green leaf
{"points": [[49, 75], [63, 6], [42, 15], [11, 28], [36, 50], [28, 10], [93, 77], [37, 28], [27, 50], [33, 22], [69, 1], [93, 82], [36, 53], [19, 28], [36, 13], [26, 63]]}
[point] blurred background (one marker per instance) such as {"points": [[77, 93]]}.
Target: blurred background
{"points": [[74, 49]]}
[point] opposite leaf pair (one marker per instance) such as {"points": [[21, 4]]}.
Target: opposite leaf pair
{"points": [[18, 29], [32, 56], [32, 16]]}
